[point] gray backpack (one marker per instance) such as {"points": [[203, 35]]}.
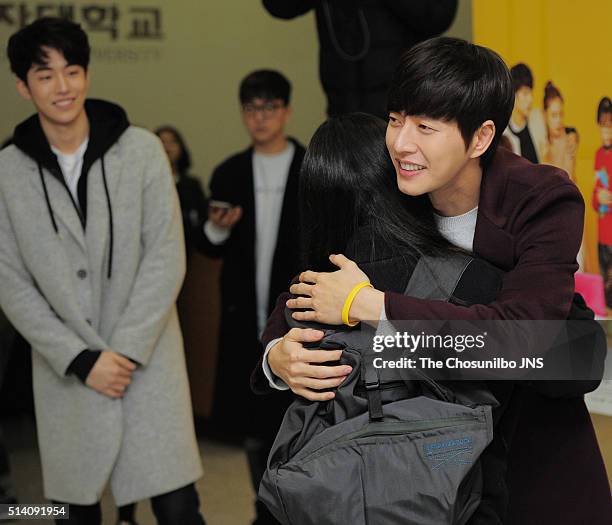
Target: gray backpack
{"points": [[384, 451]]}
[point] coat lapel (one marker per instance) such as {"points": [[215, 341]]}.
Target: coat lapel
{"points": [[61, 204], [491, 241], [249, 204], [98, 220]]}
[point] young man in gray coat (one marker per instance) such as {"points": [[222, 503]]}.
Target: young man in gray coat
{"points": [[91, 262]]}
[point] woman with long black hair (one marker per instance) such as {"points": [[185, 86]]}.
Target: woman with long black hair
{"points": [[191, 196]]}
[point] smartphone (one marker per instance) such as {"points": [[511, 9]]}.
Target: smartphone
{"points": [[222, 205]]}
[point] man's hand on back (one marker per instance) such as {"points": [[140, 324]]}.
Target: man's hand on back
{"points": [[301, 368]]}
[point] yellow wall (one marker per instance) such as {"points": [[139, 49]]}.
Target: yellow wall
{"points": [[569, 43]]}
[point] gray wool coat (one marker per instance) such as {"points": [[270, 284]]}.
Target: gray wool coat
{"points": [[55, 290]]}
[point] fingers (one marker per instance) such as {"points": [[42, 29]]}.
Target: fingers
{"points": [[215, 214], [309, 277], [231, 217], [314, 396], [121, 382], [225, 218], [321, 384], [238, 213], [340, 260], [301, 288], [304, 335], [319, 372], [309, 315], [300, 302], [123, 373], [114, 392], [124, 362], [321, 356]]}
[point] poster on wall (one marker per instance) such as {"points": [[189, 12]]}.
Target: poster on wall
{"points": [[563, 117], [543, 135]]}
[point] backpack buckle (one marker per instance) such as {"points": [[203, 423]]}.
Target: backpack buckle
{"points": [[371, 381]]}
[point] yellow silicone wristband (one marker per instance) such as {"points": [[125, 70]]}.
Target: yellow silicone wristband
{"points": [[349, 301]]}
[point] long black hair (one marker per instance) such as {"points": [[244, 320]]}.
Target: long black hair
{"points": [[184, 161], [348, 184]]}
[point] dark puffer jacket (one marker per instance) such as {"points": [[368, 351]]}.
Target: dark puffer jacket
{"points": [[361, 41]]}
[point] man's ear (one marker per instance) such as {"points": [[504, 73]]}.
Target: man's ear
{"points": [[23, 89], [482, 139]]}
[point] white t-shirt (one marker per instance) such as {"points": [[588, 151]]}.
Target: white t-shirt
{"points": [[270, 173], [71, 165]]}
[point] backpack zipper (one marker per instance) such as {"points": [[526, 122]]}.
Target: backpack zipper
{"points": [[390, 428]]}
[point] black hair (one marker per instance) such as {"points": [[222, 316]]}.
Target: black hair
{"points": [[348, 182], [184, 161], [521, 76], [604, 106], [451, 79], [266, 84], [25, 47], [550, 93]]}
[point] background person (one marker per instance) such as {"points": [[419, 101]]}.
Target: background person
{"points": [[526, 130], [602, 196], [111, 392], [360, 41], [190, 193], [562, 141], [561, 146], [253, 226]]}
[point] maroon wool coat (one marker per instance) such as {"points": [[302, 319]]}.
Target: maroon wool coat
{"points": [[530, 222]]}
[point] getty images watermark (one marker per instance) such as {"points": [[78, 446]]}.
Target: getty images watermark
{"points": [[414, 343], [485, 350]]}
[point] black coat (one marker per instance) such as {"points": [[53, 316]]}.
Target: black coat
{"points": [[193, 208], [239, 346], [376, 32]]}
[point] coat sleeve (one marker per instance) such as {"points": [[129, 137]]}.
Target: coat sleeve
{"points": [[275, 327], [288, 9], [424, 17], [219, 190], [28, 310], [162, 266]]}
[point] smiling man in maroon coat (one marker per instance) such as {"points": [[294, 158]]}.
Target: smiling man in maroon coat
{"points": [[449, 104]]}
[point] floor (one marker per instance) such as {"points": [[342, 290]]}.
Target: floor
{"points": [[225, 490]]}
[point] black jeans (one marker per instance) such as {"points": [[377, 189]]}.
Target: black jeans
{"points": [[179, 507]]}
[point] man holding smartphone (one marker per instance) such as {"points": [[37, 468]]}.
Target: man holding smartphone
{"points": [[253, 225]]}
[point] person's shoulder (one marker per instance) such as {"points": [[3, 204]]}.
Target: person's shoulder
{"points": [[299, 147], [522, 176], [10, 153], [234, 161], [12, 159], [135, 136], [190, 182]]}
